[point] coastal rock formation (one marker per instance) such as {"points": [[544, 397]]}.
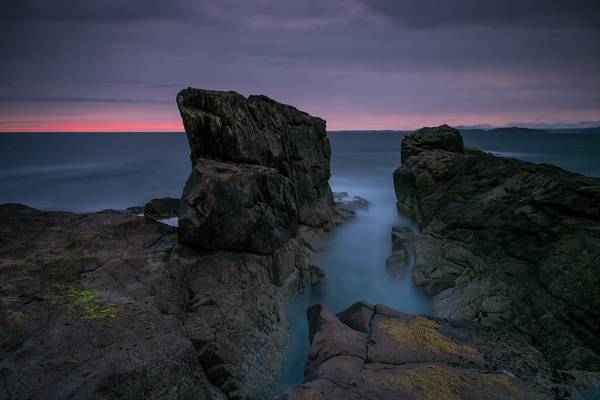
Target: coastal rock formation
{"points": [[374, 352], [507, 243], [281, 152], [260, 179], [111, 305]]}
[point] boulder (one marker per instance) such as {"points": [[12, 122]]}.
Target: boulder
{"points": [[507, 243]]}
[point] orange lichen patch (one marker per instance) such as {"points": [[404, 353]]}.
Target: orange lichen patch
{"points": [[422, 334], [437, 382]]}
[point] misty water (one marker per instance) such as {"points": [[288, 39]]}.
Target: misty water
{"points": [[90, 172]]}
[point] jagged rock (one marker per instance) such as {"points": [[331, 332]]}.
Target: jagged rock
{"points": [[229, 127], [166, 207], [507, 243], [375, 352]]}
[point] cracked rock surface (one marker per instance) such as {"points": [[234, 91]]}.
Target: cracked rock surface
{"points": [[374, 352]]}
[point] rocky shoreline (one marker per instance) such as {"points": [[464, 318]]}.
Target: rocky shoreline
{"points": [[115, 305]]}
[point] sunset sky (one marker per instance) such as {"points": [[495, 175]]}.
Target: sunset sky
{"points": [[114, 65]]}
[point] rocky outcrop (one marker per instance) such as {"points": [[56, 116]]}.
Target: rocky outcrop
{"points": [[260, 179], [507, 243], [280, 154], [111, 305], [373, 352]]}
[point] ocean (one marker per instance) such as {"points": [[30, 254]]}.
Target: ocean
{"points": [[93, 171]]}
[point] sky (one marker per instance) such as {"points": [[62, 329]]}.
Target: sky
{"points": [[115, 65]]}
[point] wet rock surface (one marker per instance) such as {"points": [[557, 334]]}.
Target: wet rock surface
{"points": [[507, 243], [373, 352]]}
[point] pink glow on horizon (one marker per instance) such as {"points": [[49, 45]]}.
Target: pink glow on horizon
{"points": [[123, 127], [162, 122]]}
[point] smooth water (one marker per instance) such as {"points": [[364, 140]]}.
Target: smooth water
{"points": [[89, 172], [84, 172]]}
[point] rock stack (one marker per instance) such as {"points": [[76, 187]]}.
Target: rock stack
{"points": [[260, 176]]}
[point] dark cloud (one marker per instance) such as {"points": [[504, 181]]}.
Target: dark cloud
{"points": [[544, 14], [341, 59], [92, 10]]}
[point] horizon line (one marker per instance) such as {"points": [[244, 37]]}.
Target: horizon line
{"points": [[459, 127]]}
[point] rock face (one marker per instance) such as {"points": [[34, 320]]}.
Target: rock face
{"points": [[507, 243], [282, 155], [373, 352]]}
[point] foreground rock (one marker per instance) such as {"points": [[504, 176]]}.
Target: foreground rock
{"points": [[506, 243], [373, 352], [111, 305]]}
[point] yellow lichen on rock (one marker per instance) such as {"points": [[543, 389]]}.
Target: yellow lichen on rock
{"points": [[437, 382], [422, 333], [81, 302]]}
